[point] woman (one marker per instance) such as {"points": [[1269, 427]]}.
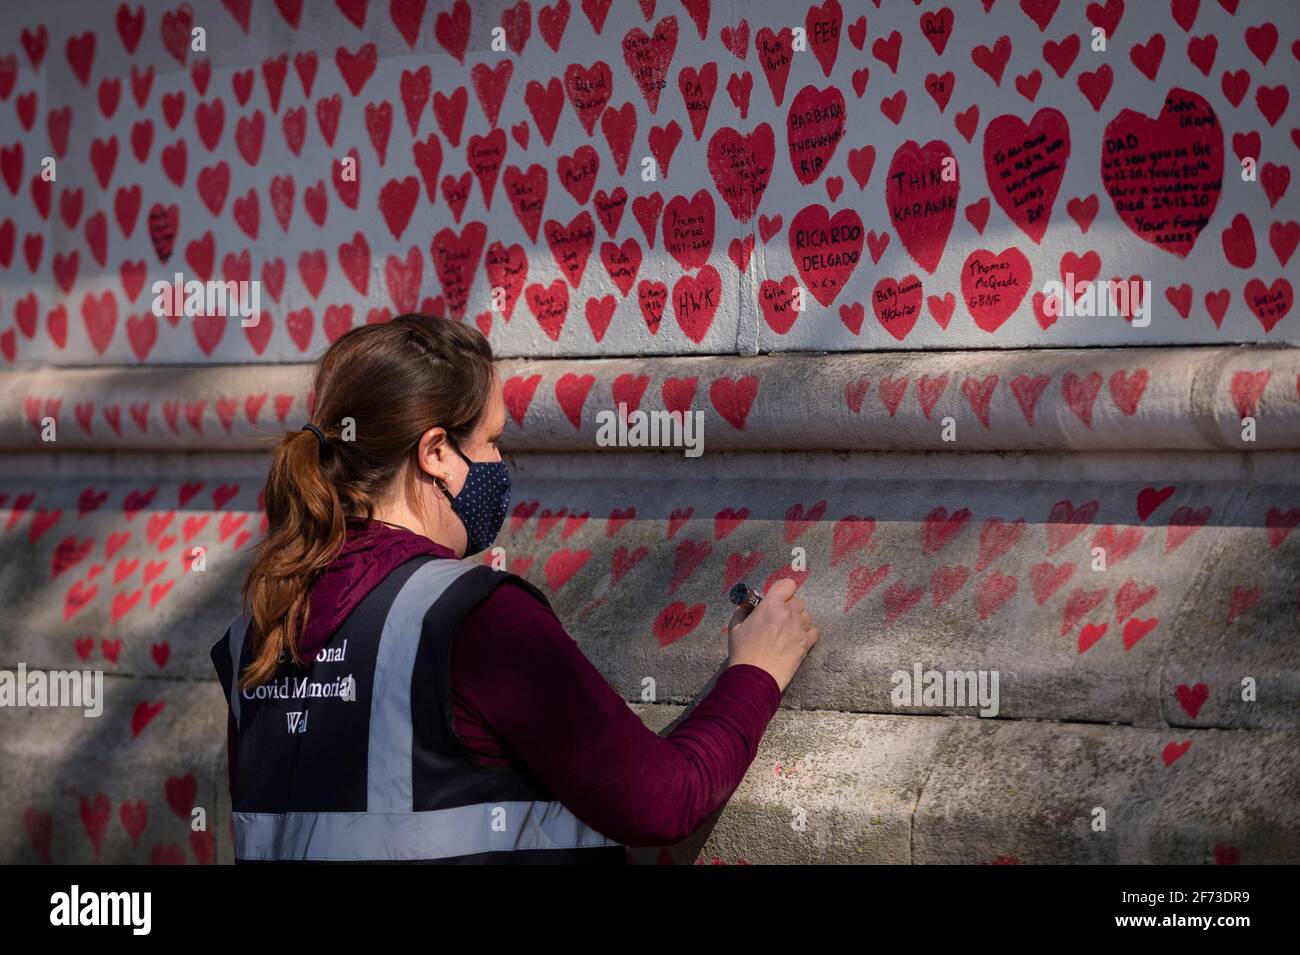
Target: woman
{"points": [[360, 730]]}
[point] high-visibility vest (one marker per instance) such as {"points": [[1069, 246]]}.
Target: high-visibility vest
{"points": [[354, 757]]}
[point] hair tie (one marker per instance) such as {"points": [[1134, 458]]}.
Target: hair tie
{"points": [[320, 435]]}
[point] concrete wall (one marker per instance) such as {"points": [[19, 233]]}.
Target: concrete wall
{"points": [[943, 472]]}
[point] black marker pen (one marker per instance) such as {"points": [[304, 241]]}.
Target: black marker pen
{"points": [[743, 595]]}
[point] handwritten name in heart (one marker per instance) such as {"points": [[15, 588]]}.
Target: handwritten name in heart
{"points": [[1165, 175]]}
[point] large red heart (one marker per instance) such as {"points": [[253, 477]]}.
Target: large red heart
{"points": [[648, 58], [922, 202], [775, 53], [1165, 175], [589, 91], [993, 286], [455, 260], [1025, 165], [688, 229], [695, 302], [814, 127], [741, 166], [826, 249]]}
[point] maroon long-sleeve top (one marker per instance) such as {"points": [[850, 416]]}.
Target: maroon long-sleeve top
{"points": [[523, 692]]}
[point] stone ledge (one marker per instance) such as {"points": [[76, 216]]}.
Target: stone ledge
{"points": [[1176, 398]]}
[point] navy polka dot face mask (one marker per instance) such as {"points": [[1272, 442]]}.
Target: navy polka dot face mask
{"points": [[482, 503]]}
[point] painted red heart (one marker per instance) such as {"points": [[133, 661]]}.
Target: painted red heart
{"points": [[549, 305], [695, 302], [571, 244], [1095, 85], [1216, 303], [676, 621], [456, 192], [688, 229], [545, 104], [776, 303], [993, 60], [1080, 394], [551, 22], [589, 91], [356, 68], [455, 262], [507, 269], [1187, 126], [1284, 237], [144, 714], [814, 128], [734, 399], [1192, 698], [1025, 165], [826, 249], [922, 201], [1269, 304], [452, 30], [993, 285], [397, 201], [775, 53], [1239, 242], [897, 304], [741, 166]]}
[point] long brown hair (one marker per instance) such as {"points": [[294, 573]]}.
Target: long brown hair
{"points": [[394, 380]]}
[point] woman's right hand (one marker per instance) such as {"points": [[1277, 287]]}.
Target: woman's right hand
{"points": [[776, 636]]}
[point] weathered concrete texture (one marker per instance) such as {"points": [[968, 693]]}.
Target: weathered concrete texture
{"points": [[1028, 792], [973, 562], [1068, 399], [98, 564], [119, 787], [980, 591], [824, 787]]}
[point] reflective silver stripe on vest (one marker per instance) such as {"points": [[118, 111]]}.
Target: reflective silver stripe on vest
{"points": [[390, 829], [388, 780], [238, 630], [436, 834]]}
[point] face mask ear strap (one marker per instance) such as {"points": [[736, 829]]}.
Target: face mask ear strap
{"points": [[445, 493], [443, 487], [456, 447]]}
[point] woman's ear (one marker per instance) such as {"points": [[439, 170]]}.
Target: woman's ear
{"points": [[434, 456], [429, 452]]}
